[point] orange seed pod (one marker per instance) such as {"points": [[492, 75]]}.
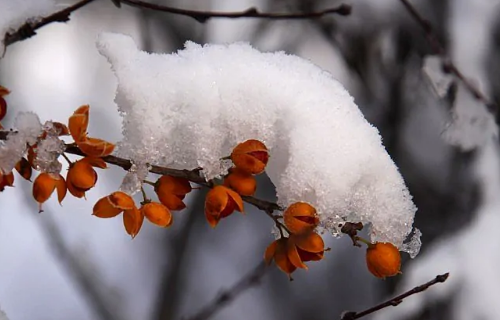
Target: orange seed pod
{"points": [[220, 203], [383, 260], [132, 220], [6, 180], [241, 182], [157, 214], [45, 184], [94, 147], [277, 251], [250, 156], [300, 217]]}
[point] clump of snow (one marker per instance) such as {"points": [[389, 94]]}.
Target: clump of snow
{"points": [[49, 149], [28, 127], [189, 109], [132, 182], [14, 13]]}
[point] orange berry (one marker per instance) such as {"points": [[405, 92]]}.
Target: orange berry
{"points": [[300, 217], [24, 169], [157, 214], [45, 184], [240, 181], [78, 123], [383, 260], [250, 156], [220, 203]]}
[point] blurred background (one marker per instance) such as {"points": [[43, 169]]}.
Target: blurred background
{"points": [[66, 264]]}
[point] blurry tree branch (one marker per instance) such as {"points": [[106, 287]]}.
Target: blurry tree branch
{"points": [[227, 296], [448, 65], [28, 29], [86, 280], [350, 315], [203, 16]]}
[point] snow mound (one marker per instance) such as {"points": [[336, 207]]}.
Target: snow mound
{"points": [[190, 108]]}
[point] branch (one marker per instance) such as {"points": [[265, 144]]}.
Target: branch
{"points": [[28, 29], [225, 297], [191, 175], [448, 65], [203, 16], [350, 315]]}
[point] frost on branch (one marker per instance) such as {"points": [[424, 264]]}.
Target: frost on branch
{"points": [[15, 13], [189, 109]]}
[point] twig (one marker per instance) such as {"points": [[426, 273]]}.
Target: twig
{"points": [[203, 16], [227, 296], [28, 29], [395, 301], [448, 65]]}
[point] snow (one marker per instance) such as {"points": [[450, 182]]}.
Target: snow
{"points": [[14, 13], [189, 109], [28, 127]]}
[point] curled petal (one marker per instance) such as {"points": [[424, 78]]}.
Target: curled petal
{"points": [[293, 255], [157, 213], [105, 209], [121, 200], [78, 123], [270, 252], [61, 188], [75, 191], [24, 168], [95, 162], [212, 220], [95, 147], [222, 201], [250, 156], [281, 257], [171, 201], [132, 220]]}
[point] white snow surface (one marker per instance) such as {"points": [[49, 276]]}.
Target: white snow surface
{"points": [[190, 108], [14, 13]]}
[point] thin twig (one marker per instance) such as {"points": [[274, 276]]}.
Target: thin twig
{"points": [[28, 29], [225, 297], [448, 65], [396, 300], [203, 16]]}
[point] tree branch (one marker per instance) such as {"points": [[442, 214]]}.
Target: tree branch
{"points": [[448, 65], [203, 16], [350, 315], [225, 297], [28, 29]]}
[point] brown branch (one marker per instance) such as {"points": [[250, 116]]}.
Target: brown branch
{"points": [[448, 65], [28, 29], [350, 315], [203, 16], [225, 297]]}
